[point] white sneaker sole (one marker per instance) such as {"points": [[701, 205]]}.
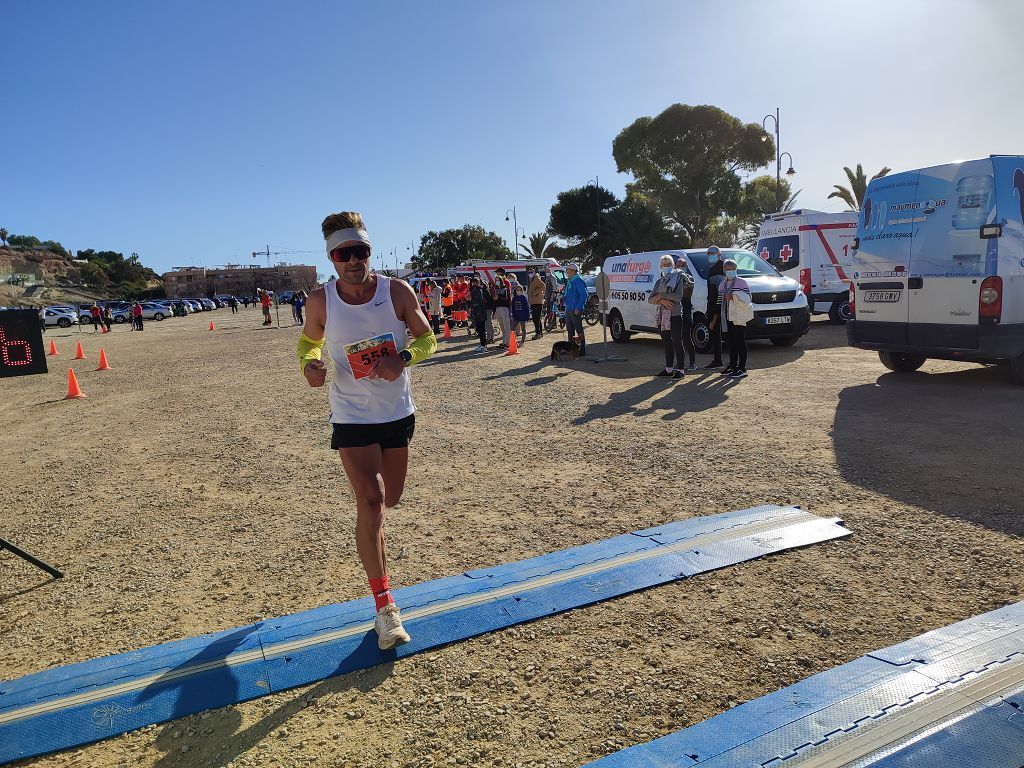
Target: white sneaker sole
{"points": [[396, 641]]}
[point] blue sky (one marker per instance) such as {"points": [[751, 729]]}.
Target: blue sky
{"points": [[197, 132]]}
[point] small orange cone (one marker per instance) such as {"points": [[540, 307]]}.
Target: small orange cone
{"points": [[103, 362], [103, 329], [513, 348], [79, 354], [53, 348], [447, 330], [73, 391], [211, 325]]}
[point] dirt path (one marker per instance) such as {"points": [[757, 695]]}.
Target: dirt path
{"points": [[177, 498]]}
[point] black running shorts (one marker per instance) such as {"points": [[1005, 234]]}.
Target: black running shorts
{"points": [[392, 434]]}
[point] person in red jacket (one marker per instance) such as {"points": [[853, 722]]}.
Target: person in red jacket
{"points": [[462, 301]]}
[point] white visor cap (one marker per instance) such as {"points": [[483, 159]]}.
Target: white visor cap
{"points": [[347, 237]]}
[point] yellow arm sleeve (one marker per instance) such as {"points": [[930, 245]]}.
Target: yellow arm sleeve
{"points": [[422, 347], [307, 350]]}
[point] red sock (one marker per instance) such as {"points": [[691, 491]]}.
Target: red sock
{"points": [[381, 592]]}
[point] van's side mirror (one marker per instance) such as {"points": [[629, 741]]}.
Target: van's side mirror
{"points": [[988, 231], [856, 243]]}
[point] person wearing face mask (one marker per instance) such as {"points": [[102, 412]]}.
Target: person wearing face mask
{"points": [[734, 289], [716, 274], [667, 297], [686, 313]]}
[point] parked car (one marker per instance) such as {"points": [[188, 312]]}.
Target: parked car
{"points": [[152, 310], [62, 317], [208, 305]]}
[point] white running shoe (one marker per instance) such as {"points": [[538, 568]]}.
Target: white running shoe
{"points": [[390, 632], [478, 348]]}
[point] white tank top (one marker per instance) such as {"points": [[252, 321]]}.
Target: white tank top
{"points": [[356, 336]]}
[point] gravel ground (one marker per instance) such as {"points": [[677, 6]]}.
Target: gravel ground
{"points": [[175, 499]]}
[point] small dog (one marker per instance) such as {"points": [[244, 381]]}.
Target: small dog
{"points": [[561, 350]]}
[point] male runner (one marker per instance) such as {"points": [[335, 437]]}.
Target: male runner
{"points": [[366, 321]]}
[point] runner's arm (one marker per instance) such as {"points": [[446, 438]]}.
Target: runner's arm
{"points": [[408, 311], [311, 341]]}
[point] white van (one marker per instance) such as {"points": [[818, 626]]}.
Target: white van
{"points": [[814, 248], [940, 255], [780, 307]]}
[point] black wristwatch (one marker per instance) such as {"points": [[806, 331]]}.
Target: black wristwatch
{"points": [[406, 356]]}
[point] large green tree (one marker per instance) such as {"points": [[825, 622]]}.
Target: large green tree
{"points": [[574, 220], [449, 247], [687, 161], [633, 227], [853, 195]]}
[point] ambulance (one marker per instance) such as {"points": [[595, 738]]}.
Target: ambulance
{"points": [[814, 248], [780, 307], [940, 266], [518, 267]]}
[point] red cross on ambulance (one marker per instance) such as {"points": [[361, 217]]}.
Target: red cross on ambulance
{"points": [[786, 253], [764, 253]]}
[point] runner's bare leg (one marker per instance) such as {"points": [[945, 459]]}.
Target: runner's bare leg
{"points": [[363, 466]]}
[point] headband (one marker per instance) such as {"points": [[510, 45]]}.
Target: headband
{"points": [[343, 236]]}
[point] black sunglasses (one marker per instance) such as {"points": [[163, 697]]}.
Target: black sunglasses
{"points": [[345, 254]]}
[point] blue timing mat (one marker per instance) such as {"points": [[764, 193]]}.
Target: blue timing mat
{"points": [[81, 703], [951, 698]]}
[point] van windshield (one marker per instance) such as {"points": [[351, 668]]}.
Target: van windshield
{"points": [[747, 264]]}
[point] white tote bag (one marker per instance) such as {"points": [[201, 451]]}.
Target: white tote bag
{"points": [[741, 309]]}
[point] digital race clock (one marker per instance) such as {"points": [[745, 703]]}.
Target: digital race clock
{"points": [[21, 343]]}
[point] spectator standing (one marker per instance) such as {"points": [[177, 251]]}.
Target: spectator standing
{"points": [[535, 295], [479, 310], [686, 313], [245, 301], [733, 290], [299, 301], [520, 313], [501, 291], [575, 301], [108, 318], [434, 295], [448, 298], [137, 316], [716, 275], [462, 300], [95, 314], [233, 303], [667, 297], [265, 303]]}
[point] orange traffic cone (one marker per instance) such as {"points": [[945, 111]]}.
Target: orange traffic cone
{"points": [[53, 348], [79, 354], [513, 348], [73, 391], [103, 362], [447, 330], [103, 329], [211, 325]]}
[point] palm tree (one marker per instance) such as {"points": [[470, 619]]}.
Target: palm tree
{"points": [[854, 195], [538, 246], [3, 235]]}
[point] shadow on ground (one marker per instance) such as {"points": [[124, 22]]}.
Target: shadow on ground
{"points": [[949, 442]]}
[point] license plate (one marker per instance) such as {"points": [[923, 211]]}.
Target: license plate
{"points": [[882, 297], [777, 320]]}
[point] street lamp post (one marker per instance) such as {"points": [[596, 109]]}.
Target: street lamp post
{"points": [[515, 232], [778, 158], [597, 193]]}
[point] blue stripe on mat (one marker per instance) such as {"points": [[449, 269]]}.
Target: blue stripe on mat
{"points": [[85, 702], [960, 687]]}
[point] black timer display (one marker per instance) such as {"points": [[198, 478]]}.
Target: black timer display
{"points": [[21, 343]]}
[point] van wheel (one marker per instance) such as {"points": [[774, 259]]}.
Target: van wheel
{"points": [[1017, 370], [701, 335], [158, 316], [901, 362], [118, 319], [63, 323], [840, 311], [618, 327], [784, 341]]}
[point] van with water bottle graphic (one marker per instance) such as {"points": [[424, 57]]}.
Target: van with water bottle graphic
{"points": [[939, 270]]}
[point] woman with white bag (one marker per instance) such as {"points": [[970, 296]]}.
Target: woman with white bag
{"points": [[737, 310]]}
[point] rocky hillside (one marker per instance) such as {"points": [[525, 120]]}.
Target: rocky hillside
{"points": [[38, 265]]}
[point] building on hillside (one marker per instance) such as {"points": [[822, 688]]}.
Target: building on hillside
{"points": [[238, 280]]}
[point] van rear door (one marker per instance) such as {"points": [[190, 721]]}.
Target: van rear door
{"points": [[885, 231], [948, 255]]}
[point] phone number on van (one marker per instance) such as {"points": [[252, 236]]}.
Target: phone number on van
{"points": [[629, 295]]}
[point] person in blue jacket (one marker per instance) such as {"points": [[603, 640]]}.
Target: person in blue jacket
{"points": [[575, 301], [520, 313]]}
